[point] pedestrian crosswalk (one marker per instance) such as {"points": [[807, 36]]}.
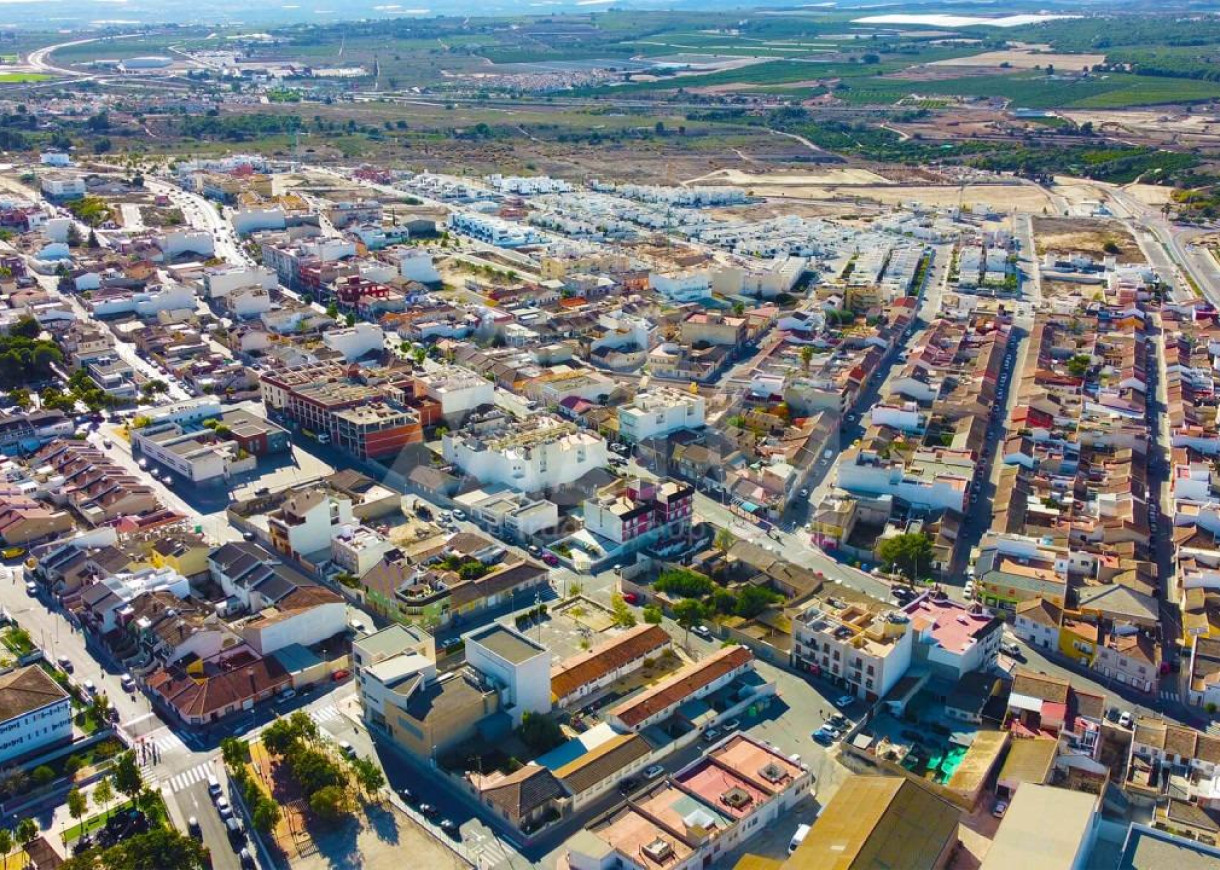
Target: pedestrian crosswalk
{"points": [[486, 851], [1170, 695], [169, 742], [187, 778], [325, 714]]}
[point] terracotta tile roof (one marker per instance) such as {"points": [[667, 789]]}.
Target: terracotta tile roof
{"points": [[1040, 611], [606, 658], [682, 685], [521, 793]]}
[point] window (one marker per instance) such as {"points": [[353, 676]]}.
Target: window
{"points": [[870, 670]]}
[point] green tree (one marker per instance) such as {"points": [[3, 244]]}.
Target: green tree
{"points": [[368, 775], [266, 814], [753, 600], [724, 540], [623, 617], [908, 554], [6, 842], [42, 776], [127, 778], [78, 804], [332, 311], [683, 583], [724, 601], [103, 794], [234, 752], [653, 615], [806, 356], [688, 613], [540, 732], [329, 803], [20, 397], [350, 319]]}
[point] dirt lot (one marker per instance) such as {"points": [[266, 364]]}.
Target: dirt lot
{"points": [[834, 176], [1001, 197], [1024, 59], [1086, 236]]}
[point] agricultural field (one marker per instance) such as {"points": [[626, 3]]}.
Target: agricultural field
{"points": [[9, 78]]}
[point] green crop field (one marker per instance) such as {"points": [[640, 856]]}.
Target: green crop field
{"points": [[21, 78]]}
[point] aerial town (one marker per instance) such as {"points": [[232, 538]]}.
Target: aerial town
{"points": [[713, 509]]}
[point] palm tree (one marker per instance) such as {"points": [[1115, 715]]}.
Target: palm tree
{"points": [[27, 832]]}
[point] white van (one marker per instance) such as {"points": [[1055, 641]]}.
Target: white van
{"points": [[798, 838]]}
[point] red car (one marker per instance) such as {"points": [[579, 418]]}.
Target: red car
{"points": [[341, 674], [631, 598]]}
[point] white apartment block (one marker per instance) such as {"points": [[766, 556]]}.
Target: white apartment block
{"points": [[539, 453], [864, 648], [458, 389], [60, 186], [220, 281], [38, 712], [518, 665], [660, 411], [355, 341], [307, 520]]}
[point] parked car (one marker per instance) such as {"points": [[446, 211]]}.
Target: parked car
{"points": [[31, 588], [999, 809], [288, 694], [346, 748], [653, 771], [845, 701], [730, 725], [703, 631], [428, 811], [89, 688], [64, 663], [341, 674], [1125, 719], [407, 795], [631, 598], [711, 735], [12, 552], [1011, 649], [550, 559], [628, 785], [246, 859], [449, 826], [128, 684], [223, 807], [192, 827]]}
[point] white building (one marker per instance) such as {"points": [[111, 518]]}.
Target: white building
{"points": [[198, 455], [685, 286], [458, 389], [660, 411], [54, 158], [252, 220], [197, 243], [59, 186], [418, 267], [355, 341], [306, 616], [220, 281], [306, 522], [861, 646], [38, 712], [144, 303], [518, 665], [539, 453], [246, 302], [357, 548]]}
